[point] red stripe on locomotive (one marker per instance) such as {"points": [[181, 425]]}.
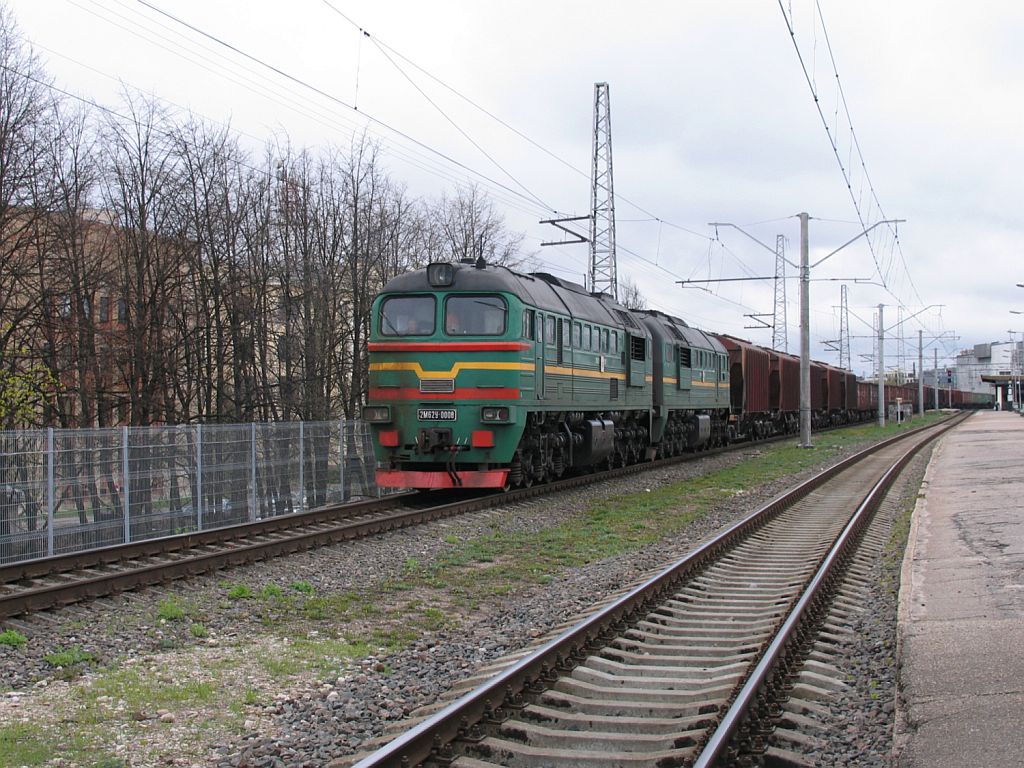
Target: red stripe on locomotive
{"points": [[378, 394]]}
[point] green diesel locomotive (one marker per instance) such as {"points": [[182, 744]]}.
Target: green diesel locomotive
{"points": [[482, 377]]}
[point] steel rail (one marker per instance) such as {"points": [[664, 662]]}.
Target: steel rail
{"points": [[52, 595], [47, 566], [721, 739], [239, 549], [461, 719]]}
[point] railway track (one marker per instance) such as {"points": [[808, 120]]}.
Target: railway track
{"points": [[52, 582], [47, 583], [689, 668]]}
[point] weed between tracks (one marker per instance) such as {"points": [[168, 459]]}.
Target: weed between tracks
{"points": [[309, 636]]}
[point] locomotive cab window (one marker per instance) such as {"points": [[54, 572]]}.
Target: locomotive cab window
{"points": [[407, 316], [528, 324], [475, 316]]}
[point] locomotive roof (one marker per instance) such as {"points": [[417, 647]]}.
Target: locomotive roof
{"points": [[540, 290], [677, 329]]}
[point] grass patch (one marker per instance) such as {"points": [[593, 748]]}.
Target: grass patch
{"points": [[320, 655], [12, 638], [23, 744], [169, 610], [68, 657], [141, 692], [502, 562], [240, 592], [302, 586], [271, 591], [199, 631]]}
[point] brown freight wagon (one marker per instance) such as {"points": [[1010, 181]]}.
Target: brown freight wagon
{"points": [[784, 383]]}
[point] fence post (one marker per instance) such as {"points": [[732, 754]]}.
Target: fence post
{"points": [[252, 471], [51, 501], [126, 485], [302, 466], [199, 477], [342, 460]]}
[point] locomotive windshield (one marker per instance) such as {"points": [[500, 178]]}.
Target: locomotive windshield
{"points": [[475, 316], [407, 316]]}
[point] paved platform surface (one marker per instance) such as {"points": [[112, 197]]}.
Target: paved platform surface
{"points": [[961, 618]]}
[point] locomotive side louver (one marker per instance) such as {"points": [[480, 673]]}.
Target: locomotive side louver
{"points": [[437, 385]]}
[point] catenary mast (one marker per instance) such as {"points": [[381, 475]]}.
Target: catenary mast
{"points": [[603, 275]]}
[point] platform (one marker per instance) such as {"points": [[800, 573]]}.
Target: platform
{"points": [[961, 616]]}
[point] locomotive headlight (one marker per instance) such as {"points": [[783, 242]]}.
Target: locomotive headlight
{"points": [[377, 414], [440, 274], [495, 414]]}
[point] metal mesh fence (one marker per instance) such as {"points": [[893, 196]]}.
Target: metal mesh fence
{"points": [[67, 490]]}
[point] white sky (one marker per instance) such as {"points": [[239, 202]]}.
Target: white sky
{"points": [[712, 121]]}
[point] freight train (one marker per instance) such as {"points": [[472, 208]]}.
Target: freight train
{"points": [[483, 377]]}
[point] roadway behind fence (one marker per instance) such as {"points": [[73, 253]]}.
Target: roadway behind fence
{"points": [[67, 490]]}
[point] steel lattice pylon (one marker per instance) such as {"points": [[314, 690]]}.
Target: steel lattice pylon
{"points": [[780, 338], [603, 273], [844, 329]]}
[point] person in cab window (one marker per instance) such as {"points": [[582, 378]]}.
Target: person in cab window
{"points": [[412, 327]]}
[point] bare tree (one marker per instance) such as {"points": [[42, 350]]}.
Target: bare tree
{"points": [[25, 114], [468, 226], [219, 338], [630, 295], [141, 195], [76, 273]]}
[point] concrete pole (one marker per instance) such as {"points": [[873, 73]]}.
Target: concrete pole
{"points": [[881, 368], [920, 372], [936, 370], [805, 337]]}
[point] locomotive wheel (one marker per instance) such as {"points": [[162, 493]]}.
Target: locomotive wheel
{"points": [[527, 470], [515, 471]]}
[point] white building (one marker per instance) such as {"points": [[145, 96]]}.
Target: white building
{"points": [[998, 358]]}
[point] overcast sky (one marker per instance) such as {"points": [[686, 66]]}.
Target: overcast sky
{"points": [[712, 118]]}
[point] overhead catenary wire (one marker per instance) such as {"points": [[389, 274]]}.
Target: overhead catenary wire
{"points": [[329, 120], [655, 266], [812, 84], [864, 211], [383, 45], [326, 95]]}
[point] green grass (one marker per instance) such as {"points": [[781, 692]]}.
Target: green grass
{"points": [[503, 562], [141, 692], [23, 744], [31, 744], [169, 610], [199, 631], [68, 657], [240, 592], [320, 655], [12, 638], [303, 586]]}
